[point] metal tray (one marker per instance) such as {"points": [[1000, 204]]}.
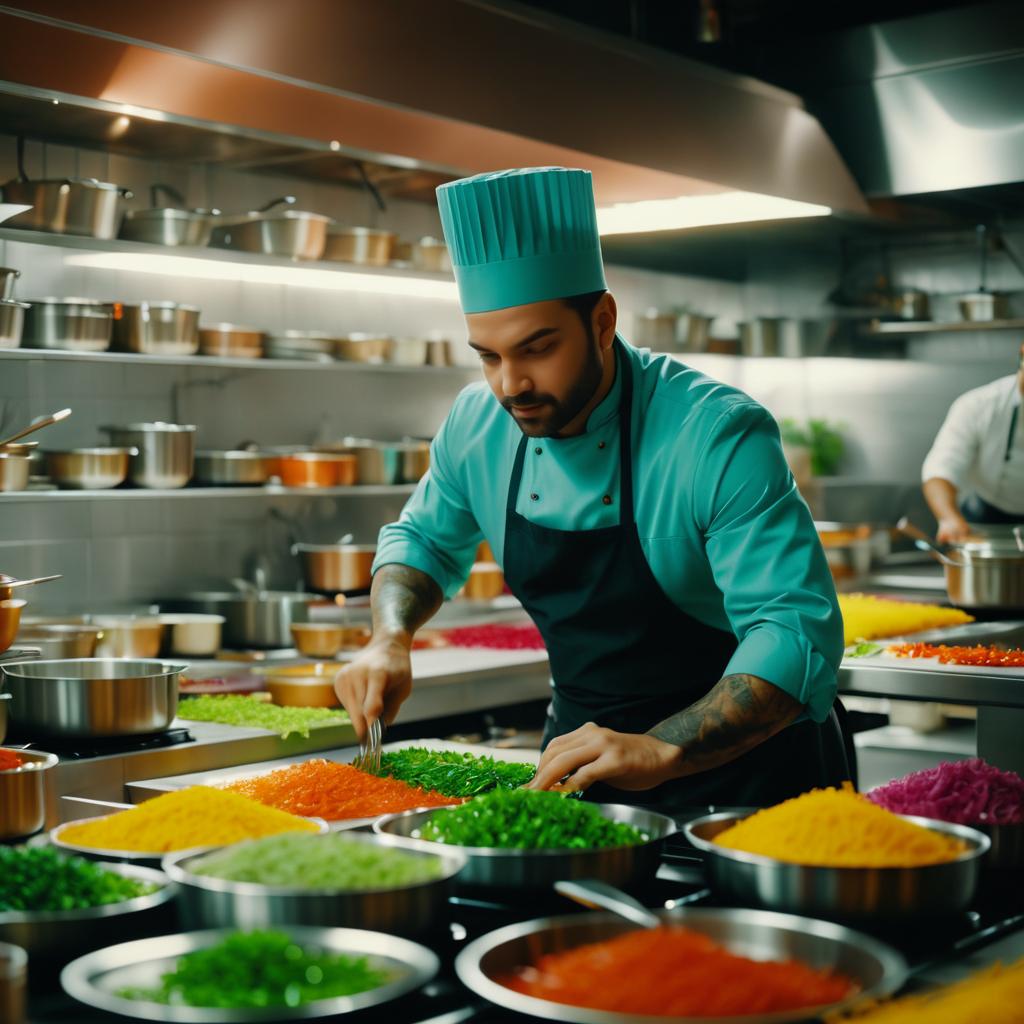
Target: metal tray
{"points": [[94, 979], [488, 867], [758, 934]]}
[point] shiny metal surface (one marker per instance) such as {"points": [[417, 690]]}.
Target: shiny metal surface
{"points": [[128, 636], [13, 983], [758, 934], [386, 462], [10, 618], [206, 902], [297, 344], [12, 322], [986, 582], [74, 932], [318, 639], [533, 869], [431, 254], [9, 584], [14, 471], [232, 468], [408, 352], [8, 278], [168, 226], [260, 619], [23, 792], [801, 339], [92, 696], [191, 634], [336, 568], [869, 893], [231, 340], [166, 452], [296, 234], [95, 978], [156, 328], [92, 469], [366, 246], [60, 641], [5, 699], [760, 337], [67, 206], [363, 348], [589, 892], [982, 306], [79, 325]]}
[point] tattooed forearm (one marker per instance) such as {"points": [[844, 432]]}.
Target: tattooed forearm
{"points": [[403, 599], [737, 714]]}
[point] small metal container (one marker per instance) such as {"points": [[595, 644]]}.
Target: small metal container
{"points": [[168, 226], [13, 983], [10, 617], [439, 352], [408, 352], [486, 581], [911, 304], [191, 634], [259, 619], [12, 322], [93, 697], [14, 471], [231, 340], [982, 306], [387, 462], [847, 893], [363, 348], [91, 469], [318, 639], [156, 328], [336, 568], [78, 325], [67, 206], [488, 867], [431, 254], [656, 329], [366, 246], [8, 277], [60, 641], [317, 469], [312, 346], [166, 452], [760, 337], [296, 234], [233, 468], [128, 636], [23, 793]]}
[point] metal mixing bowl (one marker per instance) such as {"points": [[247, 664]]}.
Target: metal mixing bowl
{"points": [[61, 640], [23, 793], [887, 893], [540, 869], [89, 468]]}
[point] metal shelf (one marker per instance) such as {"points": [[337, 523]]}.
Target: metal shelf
{"points": [[144, 494], [898, 327]]}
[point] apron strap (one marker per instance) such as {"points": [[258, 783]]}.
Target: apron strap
{"points": [[516, 478], [1010, 435]]}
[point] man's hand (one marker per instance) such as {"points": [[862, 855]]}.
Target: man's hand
{"points": [[953, 529], [592, 754], [376, 683]]}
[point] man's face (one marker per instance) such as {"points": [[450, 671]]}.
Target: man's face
{"points": [[541, 361]]}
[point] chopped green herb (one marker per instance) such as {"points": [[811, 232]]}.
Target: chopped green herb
{"points": [[453, 773], [233, 709], [862, 649]]}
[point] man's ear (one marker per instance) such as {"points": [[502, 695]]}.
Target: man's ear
{"points": [[606, 316]]}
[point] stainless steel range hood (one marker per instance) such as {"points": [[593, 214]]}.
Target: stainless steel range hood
{"points": [[450, 86]]}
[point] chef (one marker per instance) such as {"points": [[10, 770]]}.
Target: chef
{"points": [[974, 472], [643, 514]]}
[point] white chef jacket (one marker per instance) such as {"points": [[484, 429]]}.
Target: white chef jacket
{"points": [[975, 450]]}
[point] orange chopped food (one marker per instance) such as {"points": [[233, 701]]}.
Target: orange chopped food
{"points": [[978, 654], [326, 789]]}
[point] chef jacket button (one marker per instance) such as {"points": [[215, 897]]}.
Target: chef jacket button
{"points": [[538, 450], [607, 499], [600, 444], [534, 497]]}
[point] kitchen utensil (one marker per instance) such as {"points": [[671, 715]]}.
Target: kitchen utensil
{"points": [[336, 568], [314, 346], [852, 549], [5, 699], [801, 339], [408, 352], [540, 869], [439, 351], [758, 934], [361, 347], [12, 322], [317, 469], [128, 636], [14, 471], [156, 328], [656, 329], [23, 790], [233, 468], [431, 254], [231, 340], [190, 634], [60, 641], [386, 462], [982, 304], [8, 584], [92, 469], [911, 304], [8, 277], [166, 452], [760, 337], [93, 697], [847, 893], [168, 225], [366, 246], [296, 234], [368, 758], [486, 582], [95, 978], [78, 325], [315, 690], [601, 896], [259, 619], [318, 639], [693, 332], [37, 424], [10, 616]]}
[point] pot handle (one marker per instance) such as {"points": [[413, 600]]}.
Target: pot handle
{"points": [[20, 142], [168, 190], [279, 201], [923, 541]]}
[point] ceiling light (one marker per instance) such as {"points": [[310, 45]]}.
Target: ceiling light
{"points": [[700, 211], [264, 273]]}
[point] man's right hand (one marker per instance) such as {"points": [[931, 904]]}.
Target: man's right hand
{"points": [[376, 683], [953, 529]]}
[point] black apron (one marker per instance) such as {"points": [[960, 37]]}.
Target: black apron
{"points": [[624, 656], [975, 509]]}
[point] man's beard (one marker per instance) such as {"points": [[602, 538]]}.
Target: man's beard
{"points": [[559, 413]]}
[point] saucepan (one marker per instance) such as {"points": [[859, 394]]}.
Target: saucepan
{"points": [[336, 568], [168, 225], [297, 234]]}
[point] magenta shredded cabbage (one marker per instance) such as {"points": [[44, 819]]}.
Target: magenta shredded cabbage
{"points": [[969, 792]]}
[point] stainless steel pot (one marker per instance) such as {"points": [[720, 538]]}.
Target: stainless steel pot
{"points": [[802, 338], [191, 634], [92, 696], [67, 206], [656, 329], [982, 305], [128, 636], [693, 332], [431, 254], [259, 619], [311, 346], [366, 246], [336, 568], [14, 471], [5, 699], [363, 348], [408, 352], [156, 328], [232, 468], [387, 462], [296, 234], [168, 225], [166, 452], [911, 304], [439, 351], [760, 337], [60, 641], [81, 325], [8, 276], [91, 469], [23, 790], [12, 322], [231, 340]]}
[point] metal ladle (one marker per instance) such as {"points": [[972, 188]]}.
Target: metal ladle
{"points": [[915, 533], [589, 892], [43, 421]]}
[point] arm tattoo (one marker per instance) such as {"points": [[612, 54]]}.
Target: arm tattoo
{"points": [[403, 599], [737, 714]]}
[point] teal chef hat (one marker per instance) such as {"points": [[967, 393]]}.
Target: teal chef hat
{"points": [[522, 236]]}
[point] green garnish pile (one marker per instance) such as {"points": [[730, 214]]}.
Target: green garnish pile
{"points": [[233, 709], [526, 819], [256, 969], [34, 879], [453, 773], [333, 861]]}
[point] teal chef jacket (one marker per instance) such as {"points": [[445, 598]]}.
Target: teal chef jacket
{"points": [[723, 527]]}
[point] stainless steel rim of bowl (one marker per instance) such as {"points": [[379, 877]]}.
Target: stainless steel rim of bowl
{"points": [[90, 668], [35, 760]]}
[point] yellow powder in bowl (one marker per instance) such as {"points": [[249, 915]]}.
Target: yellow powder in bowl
{"points": [[838, 828], [197, 816]]}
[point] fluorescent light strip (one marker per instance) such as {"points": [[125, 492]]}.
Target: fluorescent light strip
{"points": [[263, 273], [700, 211]]}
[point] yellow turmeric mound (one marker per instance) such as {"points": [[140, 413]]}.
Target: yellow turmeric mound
{"points": [[197, 816], [874, 618], [838, 828]]}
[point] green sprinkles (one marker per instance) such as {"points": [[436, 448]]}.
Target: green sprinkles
{"points": [[232, 709], [525, 819], [453, 773], [251, 970]]}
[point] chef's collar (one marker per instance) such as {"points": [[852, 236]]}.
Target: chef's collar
{"points": [[608, 408]]}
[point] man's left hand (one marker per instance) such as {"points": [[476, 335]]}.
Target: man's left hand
{"points": [[592, 754]]}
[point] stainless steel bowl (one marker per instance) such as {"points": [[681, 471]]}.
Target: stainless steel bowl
{"points": [[92, 469], [260, 619], [366, 246], [80, 325], [296, 234], [312, 346], [540, 869], [363, 348], [128, 636], [93, 696], [757, 934], [166, 452], [849, 893], [68, 206], [231, 340], [156, 328], [168, 226], [336, 568], [206, 902], [12, 322], [95, 978], [232, 468], [982, 305], [386, 462], [23, 791], [14, 471], [51, 933], [60, 641], [409, 352], [191, 634]]}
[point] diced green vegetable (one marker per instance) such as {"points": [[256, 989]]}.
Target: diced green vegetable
{"points": [[233, 709], [453, 773], [862, 649]]}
